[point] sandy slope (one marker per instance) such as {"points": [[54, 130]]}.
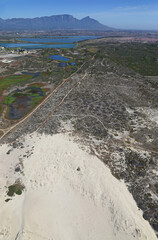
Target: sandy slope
{"points": [[62, 203]]}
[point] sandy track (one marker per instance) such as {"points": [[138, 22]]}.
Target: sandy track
{"points": [[75, 85], [8, 130]]}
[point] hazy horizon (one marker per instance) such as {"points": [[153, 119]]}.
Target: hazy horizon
{"points": [[122, 14]]}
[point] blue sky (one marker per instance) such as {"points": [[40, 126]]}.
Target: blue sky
{"points": [[125, 14]]}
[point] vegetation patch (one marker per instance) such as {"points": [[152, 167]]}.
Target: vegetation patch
{"points": [[17, 188], [1, 109], [142, 58], [20, 102], [13, 79], [9, 99], [93, 50]]}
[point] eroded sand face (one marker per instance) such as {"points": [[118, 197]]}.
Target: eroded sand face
{"points": [[69, 195]]}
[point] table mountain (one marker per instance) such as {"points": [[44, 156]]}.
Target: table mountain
{"points": [[56, 22]]}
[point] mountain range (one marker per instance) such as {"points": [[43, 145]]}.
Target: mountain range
{"points": [[55, 22]]}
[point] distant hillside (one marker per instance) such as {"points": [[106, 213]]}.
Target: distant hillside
{"points": [[56, 22]]}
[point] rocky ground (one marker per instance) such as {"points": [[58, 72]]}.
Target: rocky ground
{"points": [[115, 112]]}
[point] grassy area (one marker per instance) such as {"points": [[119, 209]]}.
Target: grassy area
{"points": [[13, 80], [1, 109], [9, 100], [36, 100]]}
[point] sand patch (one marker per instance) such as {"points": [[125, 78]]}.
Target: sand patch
{"points": [[69, 194]]}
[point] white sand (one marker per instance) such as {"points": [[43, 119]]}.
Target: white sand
{"points": [[152, 114], [61, 203], [6, 61]]}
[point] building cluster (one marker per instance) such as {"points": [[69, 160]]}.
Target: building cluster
{"points": [[13, 51], [19, 51]]}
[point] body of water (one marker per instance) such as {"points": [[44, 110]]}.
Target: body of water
{"points": [[59, 58], [72, 63], [62, 64], [45, 42], [63, 60], [58, 39], [35, 46]]}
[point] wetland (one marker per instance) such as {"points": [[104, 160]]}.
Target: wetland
{"points": [[109, 100], [20, 102]]}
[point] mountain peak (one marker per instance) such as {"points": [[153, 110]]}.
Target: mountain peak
{"points": [[88, 17]]}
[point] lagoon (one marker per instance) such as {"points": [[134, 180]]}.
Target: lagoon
{"points": [[57, 39], [48, 42], [35, 46]]}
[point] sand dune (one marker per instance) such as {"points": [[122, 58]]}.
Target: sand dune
{"points": [[69, 195]]}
